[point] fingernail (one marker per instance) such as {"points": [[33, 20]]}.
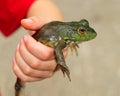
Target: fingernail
{"points": [[21, 41], [28, 22], [25, 38], [18, 46], [13, 60]]}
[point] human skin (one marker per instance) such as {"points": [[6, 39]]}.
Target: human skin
{"points": [[32, 60]]}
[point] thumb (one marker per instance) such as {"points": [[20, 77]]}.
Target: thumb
{"points": [[32, 23]]}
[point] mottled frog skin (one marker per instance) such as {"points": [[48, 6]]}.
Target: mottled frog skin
{"points": [[59, 35], [62, 34]]}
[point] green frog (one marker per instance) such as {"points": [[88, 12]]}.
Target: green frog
{"points": [[59, 35]]}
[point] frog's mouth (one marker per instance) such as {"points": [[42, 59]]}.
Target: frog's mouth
{"points": [[90, 36]]}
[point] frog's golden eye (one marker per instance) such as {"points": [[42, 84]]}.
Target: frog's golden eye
{"points": [[81, 30]]}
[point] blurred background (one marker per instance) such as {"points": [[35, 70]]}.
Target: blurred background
{"points": [[95, 72]]}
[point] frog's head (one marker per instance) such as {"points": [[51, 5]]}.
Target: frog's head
{"points": [[84, 31]]}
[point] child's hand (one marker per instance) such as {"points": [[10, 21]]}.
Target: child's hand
{"points": [[33, 61]]}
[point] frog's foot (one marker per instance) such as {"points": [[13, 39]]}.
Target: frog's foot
{"points": [[73, 47], [19, 85], [64, 70]]}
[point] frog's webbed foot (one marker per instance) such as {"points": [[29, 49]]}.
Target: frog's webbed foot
{"points": [[73, 46], [64, 70], [60, 59]]}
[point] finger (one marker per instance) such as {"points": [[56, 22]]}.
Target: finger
{"points": [[34, 62], [34, 23], [31, 23], [29, 71], [21, 75], [39, 50]]}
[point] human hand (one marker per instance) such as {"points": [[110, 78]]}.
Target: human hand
{"points": [[33, 61]]}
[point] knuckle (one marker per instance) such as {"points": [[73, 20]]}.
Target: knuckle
{"points": [[46, 55], [27, 71], [20, 48], [54, 65], [24, 79], [46, 74], [14, 68], [35, 64], [49, 74], [29, 46]]}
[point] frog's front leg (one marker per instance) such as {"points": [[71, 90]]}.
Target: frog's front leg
{"points": [[60, 58]]}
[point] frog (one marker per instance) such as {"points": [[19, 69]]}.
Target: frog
{"points": [[59, 35]]}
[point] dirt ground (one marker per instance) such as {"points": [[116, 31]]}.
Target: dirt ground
{"points": [[95, 72]]}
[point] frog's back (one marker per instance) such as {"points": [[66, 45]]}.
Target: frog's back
{"points": [[49, 33], [55, 31]]}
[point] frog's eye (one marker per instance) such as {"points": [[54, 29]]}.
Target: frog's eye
{"points": [[84, 22], [81, 30]]}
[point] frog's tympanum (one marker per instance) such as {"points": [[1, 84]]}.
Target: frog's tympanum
{"points": [[59, 35]]}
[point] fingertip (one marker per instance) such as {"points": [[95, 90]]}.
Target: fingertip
{"points": [[31, 23], [14, 66], [26, 23], [29, 42], [28, 39], [13, 61]]}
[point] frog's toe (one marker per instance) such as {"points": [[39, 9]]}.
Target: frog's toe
{"points": [[65, 71]]}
